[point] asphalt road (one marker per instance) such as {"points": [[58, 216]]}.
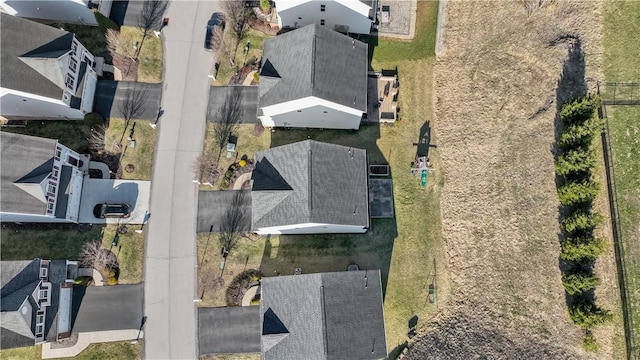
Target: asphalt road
{"points": [[170, 267]]}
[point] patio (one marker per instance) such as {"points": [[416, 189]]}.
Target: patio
{"points": [[382, 98]]}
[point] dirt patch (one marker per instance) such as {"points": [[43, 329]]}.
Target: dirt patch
{"points": [[240, 285], [263, 27], [238, 77], [496, 133]]}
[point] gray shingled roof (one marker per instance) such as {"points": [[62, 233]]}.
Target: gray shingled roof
{"points": [[323, 316], [18, 281], [28, 159], [310, 181], [22, 37], [314, 61]]}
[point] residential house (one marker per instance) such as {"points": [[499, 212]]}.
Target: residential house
{"points": [[346, 16], [36, 301], [326, 316], [40, 180], [46, 72], [313, 77], [58, 11], [310, 187]]}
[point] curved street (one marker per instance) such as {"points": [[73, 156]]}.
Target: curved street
{"points": [[170, 266]]}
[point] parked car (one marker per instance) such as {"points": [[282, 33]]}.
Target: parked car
{"points": [[215, 30], [108, 210]]}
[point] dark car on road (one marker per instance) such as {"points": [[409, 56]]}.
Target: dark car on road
{"points": [[215, 29], [108, 210]]}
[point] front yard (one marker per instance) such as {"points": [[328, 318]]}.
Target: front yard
{"points": [[226, 70], [140, 156], [102, 351], [408, 249]]}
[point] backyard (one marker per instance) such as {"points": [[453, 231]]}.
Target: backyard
{"points": [[622, 23], [497, 91], [408, 249]]}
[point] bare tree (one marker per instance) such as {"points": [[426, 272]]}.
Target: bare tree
{"points": [[120, 45], [226, 122], [97, 138], [233, 222], [206, 168], [132, 106], [239, 18], [99, 258], [150, 18]]}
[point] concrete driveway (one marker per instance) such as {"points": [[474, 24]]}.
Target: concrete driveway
{"points": [[103, 308], [170, 251], [110, 94], [248, 102], [229, 330], [98, 191]]}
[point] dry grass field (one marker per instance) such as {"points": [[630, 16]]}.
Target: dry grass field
{"points": [[496, 92]]}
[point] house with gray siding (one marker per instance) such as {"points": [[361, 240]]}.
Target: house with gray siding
{"points": [[310, 187], [313, 77]]}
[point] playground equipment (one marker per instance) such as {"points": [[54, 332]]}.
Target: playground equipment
{"points": [[420, 168]]}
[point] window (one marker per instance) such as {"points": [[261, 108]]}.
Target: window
{"points": [[43, 294], [51, 188], [73, 64], [322, 8], [44, 271], [74, 47], [40, 319], [321, 21], [58, 152], [49, 207], [325, 112], [39, 329], [69, 81], [73, 161]]}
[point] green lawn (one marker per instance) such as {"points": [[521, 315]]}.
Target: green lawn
{"points": [[406, 248], [256, 38], [105, 351], [64, 242], [150, 58], [140, 156], [387, 50], [622, 64], [70, 133], [44, 241]]}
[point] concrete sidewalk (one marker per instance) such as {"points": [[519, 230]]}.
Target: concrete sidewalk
{"points": [[85, 339]]}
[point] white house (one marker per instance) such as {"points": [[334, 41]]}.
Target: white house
{"points": [[313, 77], [36, 304], [58, 11], [40, 180], [47, 74], [346, 16], [310, 187]]}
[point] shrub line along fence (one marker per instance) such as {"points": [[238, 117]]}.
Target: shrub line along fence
{"points": [[633, 352]]}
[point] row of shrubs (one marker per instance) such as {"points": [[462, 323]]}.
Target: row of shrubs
{"points": [[577, 190]]}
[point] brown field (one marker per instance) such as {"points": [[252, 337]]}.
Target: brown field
{"points": [[499, 203]]}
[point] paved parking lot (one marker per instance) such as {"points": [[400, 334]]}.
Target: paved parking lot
{"points": [[132, 192]]}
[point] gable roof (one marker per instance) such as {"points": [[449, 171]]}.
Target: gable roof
{"points": [[24, 162], [18, 280], [314, 61], [29, 56], [325, 316], [310, 182]]}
